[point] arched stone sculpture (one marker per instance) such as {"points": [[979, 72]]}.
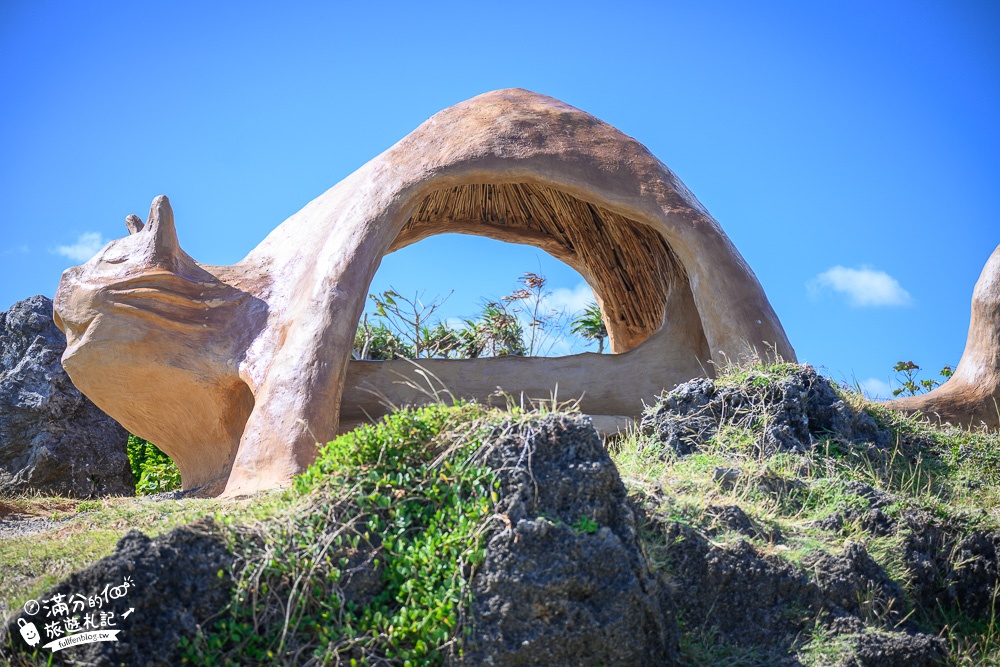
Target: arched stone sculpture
{"points": [[237, 371], [971, 397]]}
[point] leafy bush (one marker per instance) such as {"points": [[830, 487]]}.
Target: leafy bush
{"points": [[379, 343], [399, 499], [518, 324], [906, 375], [152, 470]]}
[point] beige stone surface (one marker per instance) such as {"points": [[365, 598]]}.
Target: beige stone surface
{"points": [[971, 397], [236, 372]]}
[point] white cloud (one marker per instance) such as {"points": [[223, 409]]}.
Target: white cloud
{"points": [[17, 250], [875, 388], [864, 286], [570, 301], [87, 245]]}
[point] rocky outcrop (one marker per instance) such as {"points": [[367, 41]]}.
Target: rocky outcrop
{"points": [[756, 600], [951, 567], [801, 408], [172, 584], [566, 582], [52, 438], [970, 397]]}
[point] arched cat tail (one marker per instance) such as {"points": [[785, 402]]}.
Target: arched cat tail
{"points": [[250, 365], [971, 397], [676, 295]]}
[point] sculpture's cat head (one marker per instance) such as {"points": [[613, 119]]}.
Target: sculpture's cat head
{"points": [[142, 286], [150, 339]]}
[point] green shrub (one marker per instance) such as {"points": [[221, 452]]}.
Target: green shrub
{"points": [[152, 470], [399, 499], [906, 376]]}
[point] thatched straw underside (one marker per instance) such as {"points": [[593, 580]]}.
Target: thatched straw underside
{"points": [[596, 242]]}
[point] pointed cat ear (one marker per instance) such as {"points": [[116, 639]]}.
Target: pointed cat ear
{"points": [[161, 225], [134, 224]]}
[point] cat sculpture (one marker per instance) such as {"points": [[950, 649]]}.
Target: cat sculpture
{"points": [[237, 372]]}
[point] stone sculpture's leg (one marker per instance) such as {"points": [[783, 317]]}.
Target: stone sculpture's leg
{"points": [[296, 408], [298, 403], [972, 396]]}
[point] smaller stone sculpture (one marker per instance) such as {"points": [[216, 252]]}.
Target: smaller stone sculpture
{"points": [[52, 438], [971, 397]]}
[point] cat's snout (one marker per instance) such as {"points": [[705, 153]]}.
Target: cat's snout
{"points": [[74, 330]]}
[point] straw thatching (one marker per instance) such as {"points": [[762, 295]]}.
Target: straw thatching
{"points": [[629, 266]]}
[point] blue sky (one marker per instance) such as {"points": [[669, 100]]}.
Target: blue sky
{"points": [[851, 150]]}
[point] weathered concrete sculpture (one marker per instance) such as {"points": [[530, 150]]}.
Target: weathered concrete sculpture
{"points": [[971, 397], [237, 371]]}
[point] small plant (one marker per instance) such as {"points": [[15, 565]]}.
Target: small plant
{"points": [[545, 325], [379, 343], [906, 375], [408, 318], [586, 525], [152, 470]]}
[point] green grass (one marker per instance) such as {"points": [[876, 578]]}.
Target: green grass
{"points": [[87, 530], [704, 646], [759, 371], [820, 648]]}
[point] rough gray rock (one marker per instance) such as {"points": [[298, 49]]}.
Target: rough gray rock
{"points": [[760, 601], [52, 438], [881, 649], [868, 513], [853, 581], [951, 567], [737, 591], [176, 586], [803, 409], [733, 518], [565, 583]]}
